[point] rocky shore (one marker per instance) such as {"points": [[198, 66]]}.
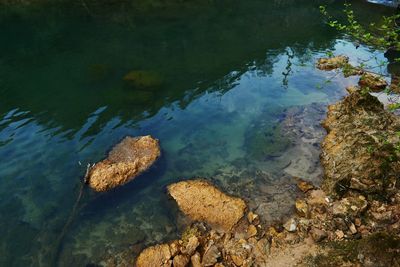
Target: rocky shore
{"points": [[352, 219]]}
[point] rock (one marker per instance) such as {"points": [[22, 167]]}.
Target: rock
{"points": [[374, 82], [353, 229], [301, 208], [354, 155], [191, 246], [339, 234], [127, 160], [332, 62], [253, 218], [304, 186], [251, 231], [350, 206], [195, 260], [237, 260], [143, 79], [290, 225], [395, 84], [158, 255], [317, 234], [211, 255], [181, 261], [203, 202], [174, 248]]}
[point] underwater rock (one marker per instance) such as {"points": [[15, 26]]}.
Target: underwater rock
{"points": [[374, 82], [143, 79], [359, 151], [126, 161], [204, 202], [332, 62]]}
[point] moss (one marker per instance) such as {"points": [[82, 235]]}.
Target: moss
{"points": [[382, 249], [188, 233]]}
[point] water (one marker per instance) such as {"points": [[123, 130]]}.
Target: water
{"points": [[230, 89]]}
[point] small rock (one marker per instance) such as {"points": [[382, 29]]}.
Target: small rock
{"points": [[252, 218], [174, 248], [290, 225], [195, 260], [304, 186], [211, 255], [339, 234], [318, 235], [181, 260], [350, 206], [357, 222], [353, 229], [237, 260], [301, 208], [191, 246], [158, 255], [251, 231]]}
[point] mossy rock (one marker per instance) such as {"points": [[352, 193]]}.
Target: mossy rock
{"points": [[143, 79], [379, 249]]}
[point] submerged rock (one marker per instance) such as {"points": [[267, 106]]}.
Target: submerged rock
{"points": [[126, 161], [143, 79], [204, 202], [332, 62], [359, 151]]}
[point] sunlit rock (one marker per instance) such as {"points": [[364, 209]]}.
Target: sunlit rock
{"points": [[158, 255], [332, 62], [204, 202], [373, 82], [126, 161]]}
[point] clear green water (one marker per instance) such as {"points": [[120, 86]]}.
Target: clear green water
{"points": [[218, 80]]}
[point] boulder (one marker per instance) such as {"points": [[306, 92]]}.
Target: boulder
{"points": [[202, 201], [359, 151], [127, 160], [158, 255], [374, 82], [332, 62]]}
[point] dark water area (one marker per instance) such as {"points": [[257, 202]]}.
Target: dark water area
{"points": [[229, 89]]}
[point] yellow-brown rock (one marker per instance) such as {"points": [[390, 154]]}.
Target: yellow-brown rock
{"points": [[374, 82], [332, 62], [202, 201], [158, 255], [126, 161]]}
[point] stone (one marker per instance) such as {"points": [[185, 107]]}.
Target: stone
{"points": [[332, 62], [339, 234], [237, 260], [353, 229], [181, 261], [350, 206], [202, 201], [158, 255], [353, 152], [374, 82], [174, 248], [143, 79], [290, 225], [251, 231], [301, 207], [127, 160], [191, 245], [317, 234], [304, 186], [195, 260], [253, 218], [211, 255]]}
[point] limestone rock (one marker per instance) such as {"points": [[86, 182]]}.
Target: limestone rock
{"points": [[191, 246], [350, 206], [301, 207], [332, 62], [158, 255], [374, 82], [204, 202], [195, 260], [317, 234], [290, 225], [354, 154], [126, 161], [304, 186], [181, 261], [211, 255], [251, 231], [253, 218]]}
